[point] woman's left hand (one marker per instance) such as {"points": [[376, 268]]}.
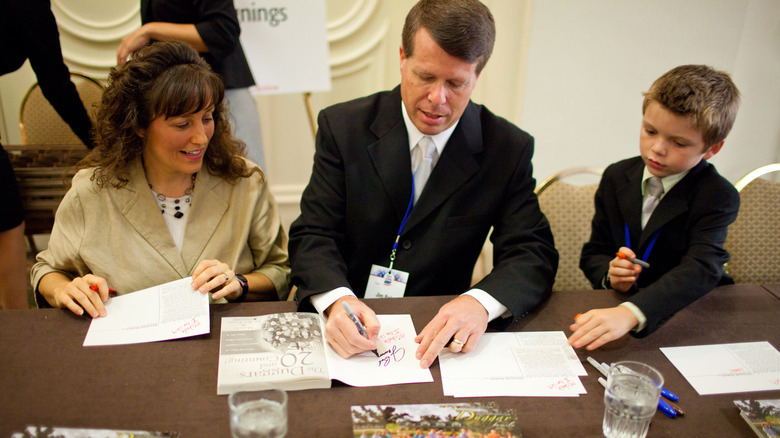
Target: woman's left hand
{"points": [[213, 275]]}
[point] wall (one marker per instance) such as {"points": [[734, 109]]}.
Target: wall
{"points": [[587, 63]]}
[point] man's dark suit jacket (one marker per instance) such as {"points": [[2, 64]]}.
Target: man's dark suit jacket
{"points": [[360, 189], [687, 259]]}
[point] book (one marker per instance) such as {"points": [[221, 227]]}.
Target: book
{"points": [[288, 350], [68, 432], [763, 416], [444, 419]]}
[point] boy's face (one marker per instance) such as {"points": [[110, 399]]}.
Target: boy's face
{"points": [[669, 143]]}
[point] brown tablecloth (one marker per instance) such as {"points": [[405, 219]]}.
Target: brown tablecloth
{"points": [[774, 289], [48, 378]]}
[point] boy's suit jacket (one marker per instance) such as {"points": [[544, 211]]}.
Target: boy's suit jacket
{"points": [[687, 259], [360, 189]]}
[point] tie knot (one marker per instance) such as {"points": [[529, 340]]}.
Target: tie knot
{"points": [[655, 187], [426, 147]]}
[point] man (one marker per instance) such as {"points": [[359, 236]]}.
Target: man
{"points": [[360, 198]]}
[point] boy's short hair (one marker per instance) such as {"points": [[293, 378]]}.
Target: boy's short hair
{"points": [[707, 97]]}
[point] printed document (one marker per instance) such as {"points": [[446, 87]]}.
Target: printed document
{"points": [[728, 368], [539, 364], [168, 311]]}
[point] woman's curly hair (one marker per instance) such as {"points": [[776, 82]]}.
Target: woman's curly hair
{"points": [[165, 79]]}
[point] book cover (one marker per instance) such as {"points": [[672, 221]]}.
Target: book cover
{"points": [[763, 416], [284, 349], [68, 432], [462, 420]]}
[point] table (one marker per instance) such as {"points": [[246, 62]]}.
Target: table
{"points": [[774, 289], [49, 378]]}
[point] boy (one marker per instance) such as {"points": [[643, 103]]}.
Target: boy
{"points": [[667, 207]]}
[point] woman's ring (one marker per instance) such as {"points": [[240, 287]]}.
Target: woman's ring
{"points": [[227, 277], [457, 341]]}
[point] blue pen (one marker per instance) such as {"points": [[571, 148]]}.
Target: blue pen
{"points": [[358, 324], [669, 394]]}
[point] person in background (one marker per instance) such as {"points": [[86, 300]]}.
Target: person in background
{"points": [[32, 28], [667, 207], [166, 194], [426, 153], [212, 28]]}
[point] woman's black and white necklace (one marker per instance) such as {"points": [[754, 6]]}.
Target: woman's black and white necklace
{"points": [[175, 206]]}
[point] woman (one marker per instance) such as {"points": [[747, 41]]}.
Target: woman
{"points": [[164, 146]]}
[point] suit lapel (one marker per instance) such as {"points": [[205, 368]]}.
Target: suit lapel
{"points": [[141, 210], [390, 154], [629, 196], [673, 203], [209, 205]]}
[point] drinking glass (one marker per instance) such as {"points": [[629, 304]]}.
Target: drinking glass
{"points": [[258, 414], [630, 399]]}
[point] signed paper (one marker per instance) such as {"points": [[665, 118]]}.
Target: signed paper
{"points": [[728, 368], [395, 365], [514, 364], [168, 311]]}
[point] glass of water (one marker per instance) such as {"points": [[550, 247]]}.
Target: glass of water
{"points": [[630, 399], [258, 414]]}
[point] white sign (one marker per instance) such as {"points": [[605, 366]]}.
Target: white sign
{"points": [[286, 44]]}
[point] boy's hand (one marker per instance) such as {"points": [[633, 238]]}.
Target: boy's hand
{"points": [[599, 326], [622, 273]]}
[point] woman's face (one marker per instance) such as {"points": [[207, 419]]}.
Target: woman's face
{"points": [[176, 145]]}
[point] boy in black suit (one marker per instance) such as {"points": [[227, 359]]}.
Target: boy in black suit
{"points": [[668, 207]]}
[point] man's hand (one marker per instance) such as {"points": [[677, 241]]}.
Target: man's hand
{"points": [[622, 273], [599, 326], [342, 334], [462, 320]]}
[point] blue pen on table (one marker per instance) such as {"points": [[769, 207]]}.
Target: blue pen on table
{"points": [[603, 368], [358, 324]]}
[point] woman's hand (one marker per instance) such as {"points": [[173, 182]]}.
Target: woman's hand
{"points": [[77, 295], [213, 275]]}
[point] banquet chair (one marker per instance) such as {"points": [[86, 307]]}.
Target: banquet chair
{"points": [[39, 122], [569, 208], [754, 238], [43, 174]]}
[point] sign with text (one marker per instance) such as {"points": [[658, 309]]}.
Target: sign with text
{"points": [[286, 44]]}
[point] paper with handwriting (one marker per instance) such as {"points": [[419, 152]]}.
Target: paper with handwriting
{"points": [[728, 368], [395, 365], [167, 311], [514, 364]]}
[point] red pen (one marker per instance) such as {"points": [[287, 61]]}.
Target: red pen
{"points": [[641, 263], [95, 288]]}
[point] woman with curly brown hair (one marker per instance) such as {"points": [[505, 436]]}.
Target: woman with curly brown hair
{"points": [[164, 146]]}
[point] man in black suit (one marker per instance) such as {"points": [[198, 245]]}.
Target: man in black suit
{"points": [[361, 191]]}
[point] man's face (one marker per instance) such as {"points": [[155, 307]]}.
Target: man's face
{"points": [[669, 143], [435, 86]]}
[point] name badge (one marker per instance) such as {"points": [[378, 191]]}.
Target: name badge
{"points": [[384, 283]]}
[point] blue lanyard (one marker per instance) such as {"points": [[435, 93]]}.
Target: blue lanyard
{"points": [[400, 229], [649, 246]]}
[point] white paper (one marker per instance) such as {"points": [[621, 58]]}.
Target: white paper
{"points": [[514, 364], [395, 365], [168, 311], [728, 368]]}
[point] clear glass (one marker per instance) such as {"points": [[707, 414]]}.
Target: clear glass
{"points": [[630, 399], [258, 414]]}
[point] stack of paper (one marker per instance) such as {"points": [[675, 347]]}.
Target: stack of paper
{"points": [[540, 364], [728, 368]]}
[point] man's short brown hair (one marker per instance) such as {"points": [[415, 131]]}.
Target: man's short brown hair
{"points": [[464, 29], [707, 97]]}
